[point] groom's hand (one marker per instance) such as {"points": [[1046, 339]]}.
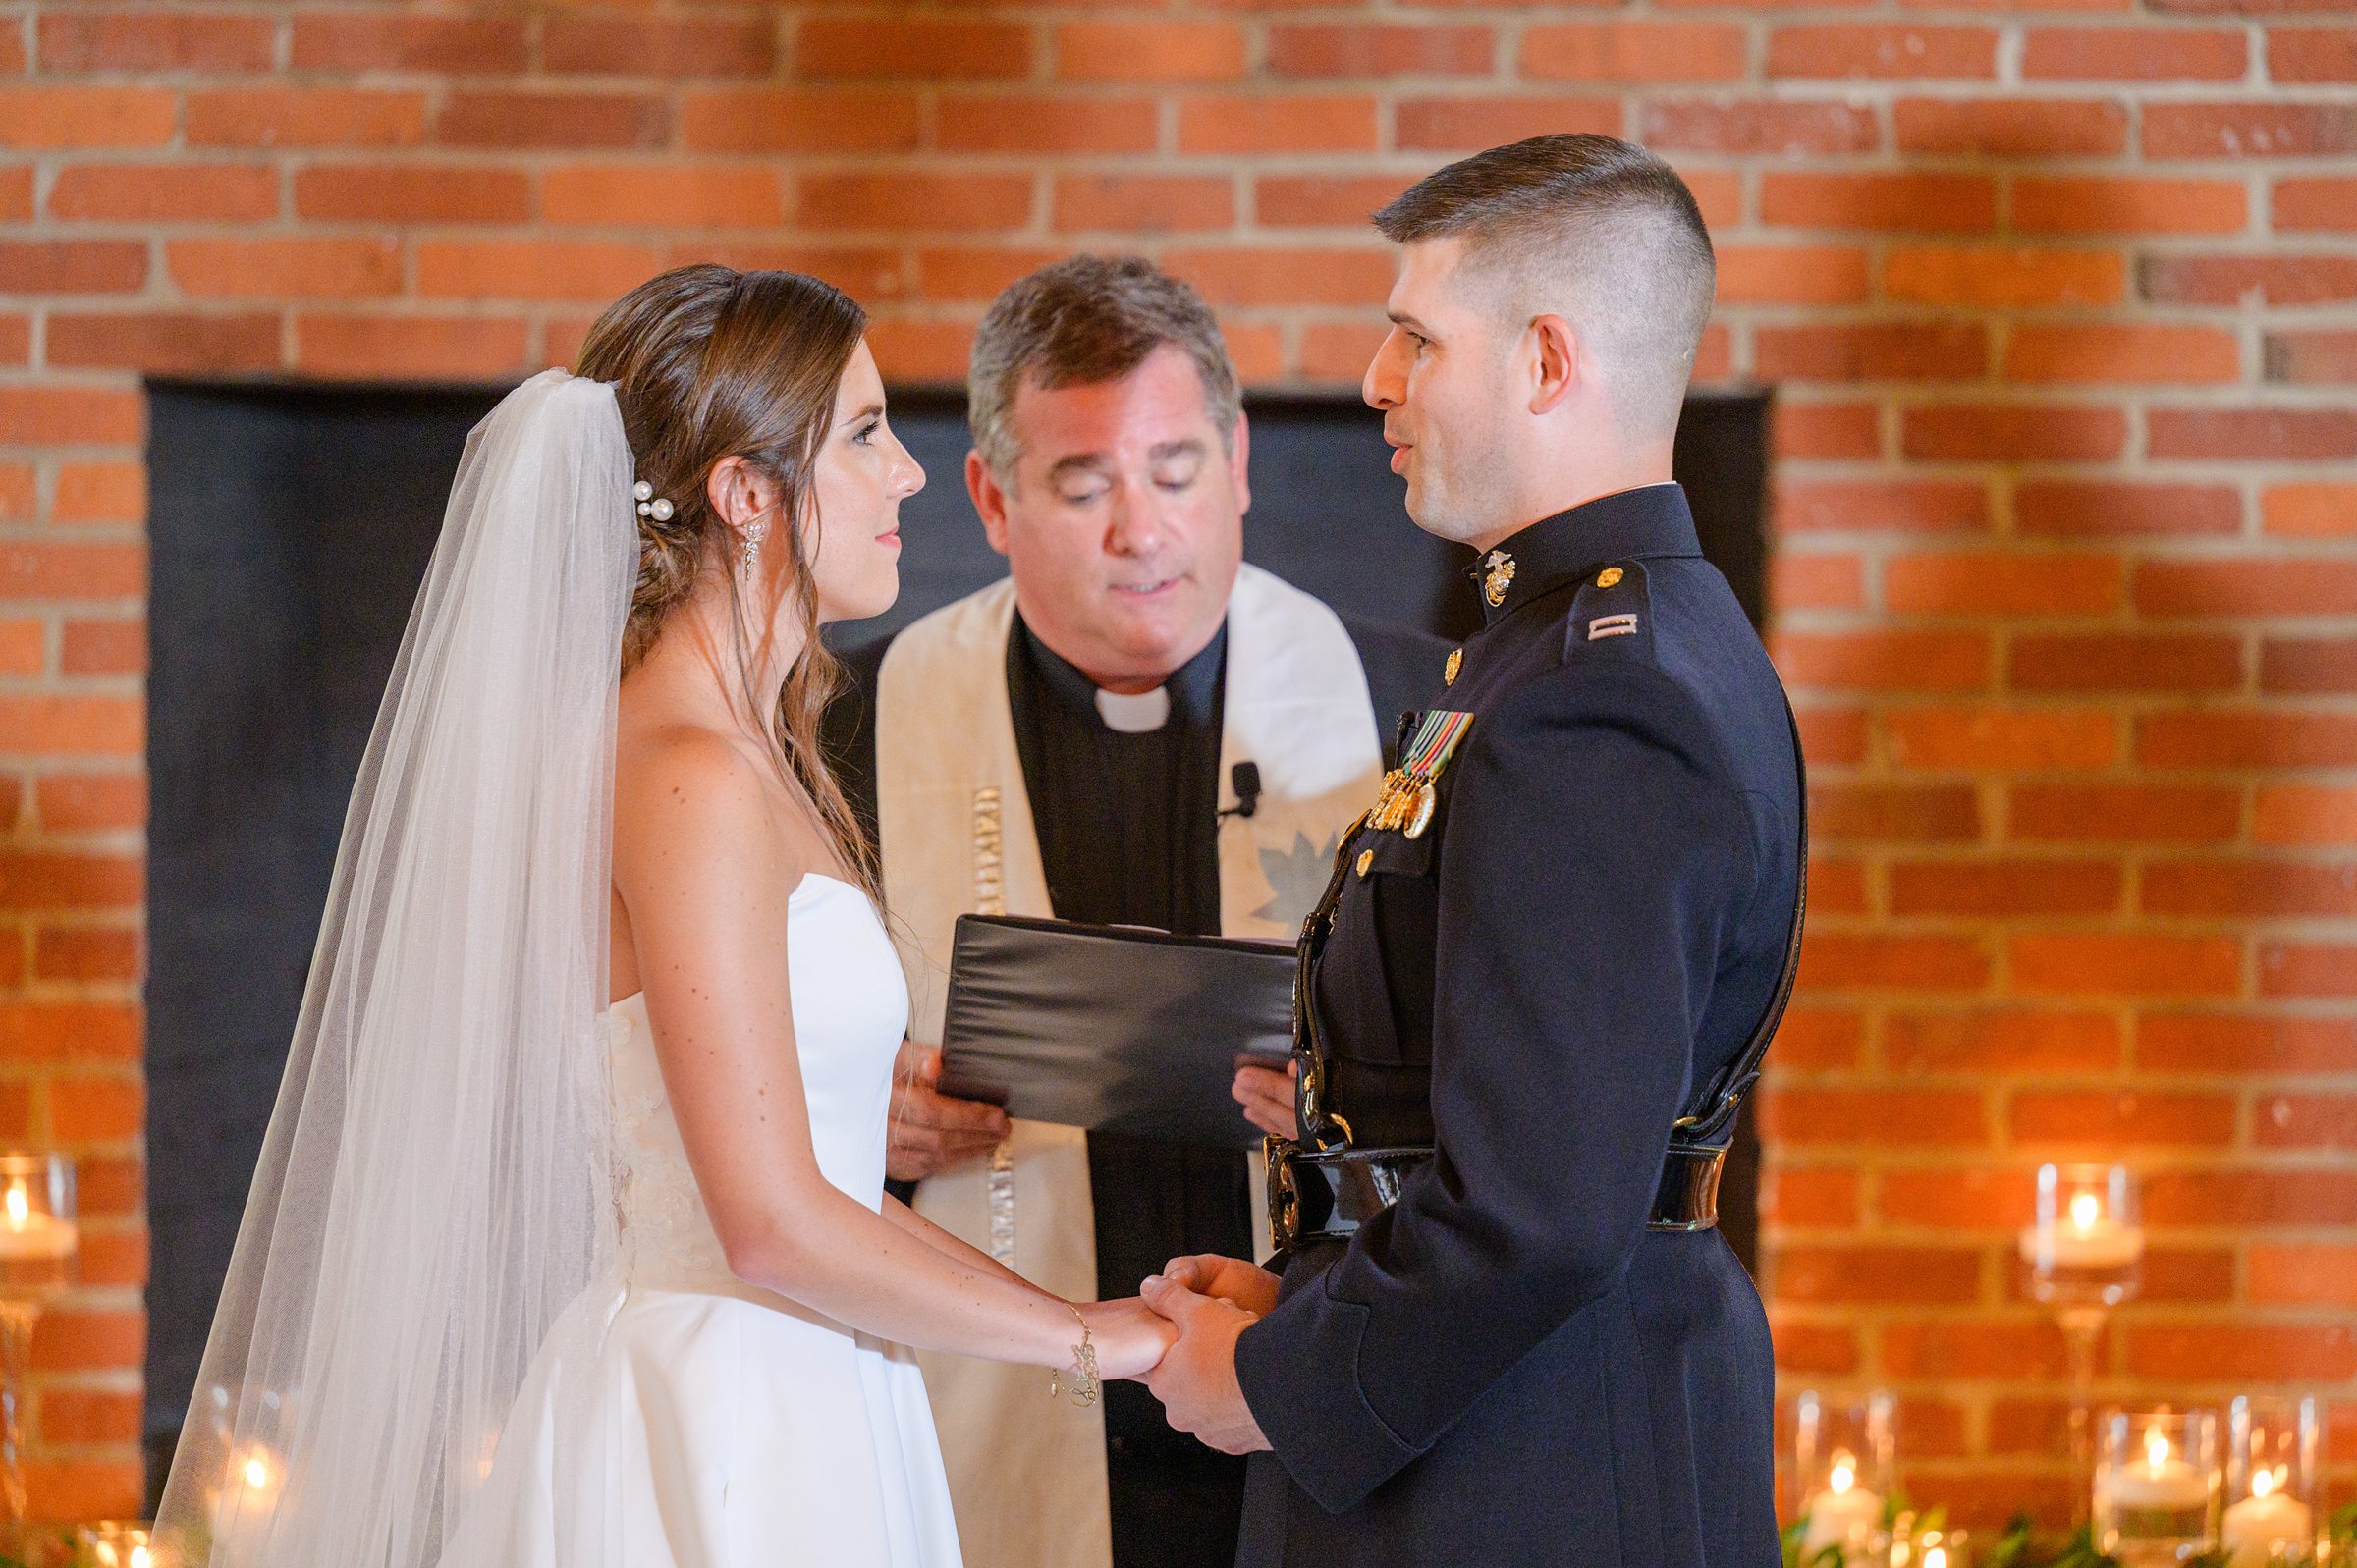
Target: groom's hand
{"points": [[1196, 1379], [1230, 1279], [930, 1131]]}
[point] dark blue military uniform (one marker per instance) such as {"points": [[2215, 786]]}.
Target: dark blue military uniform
{"points": [[1514, 1362]]}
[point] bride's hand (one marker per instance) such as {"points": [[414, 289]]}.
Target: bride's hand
{"points": [[1129, 1336]]}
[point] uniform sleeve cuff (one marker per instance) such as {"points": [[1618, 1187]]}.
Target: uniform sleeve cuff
{"points": [[1298, 1369]]}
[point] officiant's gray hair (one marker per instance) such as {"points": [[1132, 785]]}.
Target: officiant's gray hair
{"points": [[1591, 228], [1080, 322]]}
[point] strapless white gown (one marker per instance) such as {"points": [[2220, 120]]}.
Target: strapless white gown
{"points": [[716, 1424]]}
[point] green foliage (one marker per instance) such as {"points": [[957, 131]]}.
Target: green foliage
{"points": [[2077, 1552], [2018, 1548]]}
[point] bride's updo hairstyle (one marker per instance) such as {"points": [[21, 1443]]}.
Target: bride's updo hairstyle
{"points": [[709, 363]]}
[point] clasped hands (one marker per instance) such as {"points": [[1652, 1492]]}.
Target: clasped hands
{"points": [[1200, 1306], [1177, 1336]]}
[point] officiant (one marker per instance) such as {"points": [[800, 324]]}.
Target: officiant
{"points": [[1132, 726]]}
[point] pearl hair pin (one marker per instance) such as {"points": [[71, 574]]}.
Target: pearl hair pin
{"points": [[650, 505]]}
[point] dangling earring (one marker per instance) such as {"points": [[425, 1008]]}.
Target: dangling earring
{"points": [[754, 533]]}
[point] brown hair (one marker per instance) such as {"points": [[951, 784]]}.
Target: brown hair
{"points": [[1082, 321], [1607, 215], [708, 363]]}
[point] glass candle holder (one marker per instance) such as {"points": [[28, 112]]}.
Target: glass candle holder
{"points": [[2156, 1482], [39, 1238], [2272, 1449], [2086, 1246], [115, 1544], [2085, 1256], [1842, 1461]]}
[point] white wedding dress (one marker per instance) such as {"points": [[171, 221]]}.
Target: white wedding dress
{"points": [[721, 1426]]}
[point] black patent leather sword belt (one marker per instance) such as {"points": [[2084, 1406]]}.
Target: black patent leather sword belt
{"points": [[1347, 1187]]}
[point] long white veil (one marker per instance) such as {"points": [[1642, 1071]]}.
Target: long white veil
{"points": [[434, 1189]]}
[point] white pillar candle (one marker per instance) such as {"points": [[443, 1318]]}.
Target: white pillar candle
{"points": [[1843, 1513], [2263, 1520], [2162, 1481]]}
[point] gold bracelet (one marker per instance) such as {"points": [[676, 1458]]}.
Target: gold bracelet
{"points": [[1087, 1385]]}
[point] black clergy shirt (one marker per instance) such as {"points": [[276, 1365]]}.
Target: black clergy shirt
{"points": [[1128, 835]]}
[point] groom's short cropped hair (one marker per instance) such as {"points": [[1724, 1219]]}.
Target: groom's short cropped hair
{"points": [[1080, 322], [1591, 228]]}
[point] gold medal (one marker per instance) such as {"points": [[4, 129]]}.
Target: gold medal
{"points": [[1419, 816]]}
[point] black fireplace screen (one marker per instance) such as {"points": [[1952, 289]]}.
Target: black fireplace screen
{"points": [[291, 526]]}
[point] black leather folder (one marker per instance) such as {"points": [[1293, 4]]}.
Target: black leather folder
{"points": [[1113, 1028]]}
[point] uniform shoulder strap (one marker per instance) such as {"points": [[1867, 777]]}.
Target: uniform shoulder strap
{"points": [[1612, 616]]}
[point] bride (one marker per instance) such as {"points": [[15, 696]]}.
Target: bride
{"points": [[569, 1246]]}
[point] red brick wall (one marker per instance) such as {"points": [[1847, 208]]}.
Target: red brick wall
{"points": [[2059, 300]]}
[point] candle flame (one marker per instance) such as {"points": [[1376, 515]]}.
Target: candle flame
{"points": [[19, 1208], [2156, 1448], [257, 1473], [1935, 1557], [2085, 1209], [2262, 1482], [142, 1557], [1845, 1473]]}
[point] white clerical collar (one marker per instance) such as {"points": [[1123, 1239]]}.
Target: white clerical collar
{"points": [[1140, 715]]}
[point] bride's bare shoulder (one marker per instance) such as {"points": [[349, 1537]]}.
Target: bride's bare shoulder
{"points": [[691, 802]]}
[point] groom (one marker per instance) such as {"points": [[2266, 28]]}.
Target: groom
{"points": [[1068, 741], [1539, 981]]}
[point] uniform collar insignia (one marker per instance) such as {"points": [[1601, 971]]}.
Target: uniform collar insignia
{"points": [[1650, 521], [1499, 577]]}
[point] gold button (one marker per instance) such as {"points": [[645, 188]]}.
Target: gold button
{"points": [[1457, 662], [1366, 858], [1610, 577]]}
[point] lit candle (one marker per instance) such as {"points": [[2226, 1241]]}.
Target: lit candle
{"points": [[1843, 1513], [113, 1544], [2086, 1239], [2162, 1482], [2267, 1518], [25, 1235], [253, 1477]]}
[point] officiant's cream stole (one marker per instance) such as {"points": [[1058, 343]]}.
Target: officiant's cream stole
{"points": [[954, 824]]}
